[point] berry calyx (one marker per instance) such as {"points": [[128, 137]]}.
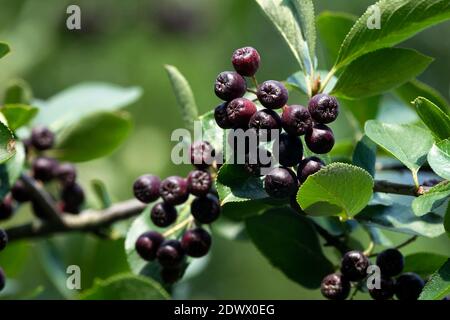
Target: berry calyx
{"points": [[272, 94], [221, 117], [146, 188], [205, 209], [335, 287], [42, 138], [163, 214], [323, 108], [296, 120], [6, 208], [265, 119], [386, 290], [246, 61], [66, 173], [239, 112], [170, 254], [409, 286], [196, 242], [230, 85], [201, 154], [290, 150], [3, 239], [309, 166], [148, 244], [354, 265], [390, 262], [199, 182], [174, 190], [44, 168], [320, 139], [280, 183], [19, 192]]}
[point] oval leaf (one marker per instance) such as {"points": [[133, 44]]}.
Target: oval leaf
{"points": [[439, 285], [439, 159], [4, 49], [18, 92], [432, 200], [414, 88], [424, 263], [433, 117], [18, 115]]}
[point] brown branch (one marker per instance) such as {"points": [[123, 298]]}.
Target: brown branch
{"points": [[397, 188]]}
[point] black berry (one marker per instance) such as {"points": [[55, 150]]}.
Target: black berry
{"points": [[296, 120], [255, 161], [163, 214], [2, 279], [72, 196], [320, 139], [239, 112], [230, 85], [265, 119], [272, 94], [290, 150], [148, 244], [66, 173], [44, 168], [201, 154], [386, 290], [281, 183], [409, 286], [246, 61], [307, 167], [205, 209], [19, 192], [171, 275], [6, 208], [335, 287], [323, 108], [170, 254], [42, 138], [196, 242], [3, 239], [390, 262], [174, 190], [199, 182], [354, 265], [146, 188], [221, 117]]}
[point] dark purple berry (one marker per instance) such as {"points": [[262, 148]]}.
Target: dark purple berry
{"points": [[230, 85], [323, 108], [354, 265], [290, 150], [163, 214], [255, 161], [296, 120], [239, 112], [272, 94], [221, 117], [42, 138], [409, 286], [66, 173], [335, 287], [72, 196], [44, 168], [174, 190], [390, 262], [2, 279], [196, 242], [281, 183], [386, 290], [6, 208], [148, 244], [3, 239], [146, 188], [20, 192], [201, 154], [205, 209], [307, 167], [320, 139], [170, 254], [265, 119], [171, 275], [246, 61], [199, 182]]}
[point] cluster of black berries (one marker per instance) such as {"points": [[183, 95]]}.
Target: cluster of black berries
{"points": [[238, 112], [407, 286], [174, 190]]}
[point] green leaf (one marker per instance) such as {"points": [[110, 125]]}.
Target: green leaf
{"points": [[439, 158], [18, 92], [126, 287], [94, 136], [290, 243], [433, 117], [432, 200], [77, 102], [378, 237], [424, 263], [394, 66], [298, 81], [447, 220], [18, 115], [4, 49], [184, 95], [365, 155], [400, 20], [238, 211], [7, 143], [211, 131], [438, 286], [11, 170], [101, 192], [362, 109], [408, 143], [322, 193], [305, 12]]}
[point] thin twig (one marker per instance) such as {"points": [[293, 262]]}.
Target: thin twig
{"points": [[401, 245], [398, 188], [331, 240]]}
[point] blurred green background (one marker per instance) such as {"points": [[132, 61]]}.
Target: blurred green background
{"points": [[127, 43]]}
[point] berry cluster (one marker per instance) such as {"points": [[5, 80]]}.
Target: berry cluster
{"points": [[294, 121], [205, 209], [354, 264]]}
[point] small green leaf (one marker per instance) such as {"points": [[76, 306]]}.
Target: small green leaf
{"points": [[424, 263], [305, 13], [184, 95], [322, 194], [365, 155], [18, 115], [291, 244], [439, 158], [212, 132], [94, 136], [438, 286], [11, 170], [408, 143], [7, 143], [433, 117], [18, 92], [4, 49], [394, 66], [432, 200]]}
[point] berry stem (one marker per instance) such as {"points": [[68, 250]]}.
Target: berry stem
{"points": [[327, 79], [178, 226], [401, 245], [416, 179], [369, 249], [255, 82]]}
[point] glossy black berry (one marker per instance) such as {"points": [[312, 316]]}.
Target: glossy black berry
{"points": [[230, 85], [335, 287], [2, 279], [201, 154], [148, 244], [307, 167], [163, 214], [72, 195], [290, 150], [386, 290], [19, 192], [281, 183], [146, 188], [6, 208], [199, 182], [170, 254], [239, 112], [171, 275], [320, 139], [196, 242], [3, 239], [267, 120], [409, 286], [42, 138], [246, 61], [390, 262], [205, 209], [66, 173], [323, 108], [221, 117], [272, 94], [44, 168], [354, 265], [296, 120], [257, 160], [174, 190]]}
